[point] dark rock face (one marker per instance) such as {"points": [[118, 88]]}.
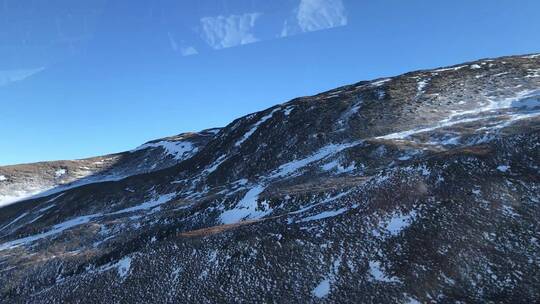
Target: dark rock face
{"points": [[419, 188]]}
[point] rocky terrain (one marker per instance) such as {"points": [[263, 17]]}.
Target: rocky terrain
{"points": [[419, 188]]}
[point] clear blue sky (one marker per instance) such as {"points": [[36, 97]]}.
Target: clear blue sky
{"points": [[83, 78]]}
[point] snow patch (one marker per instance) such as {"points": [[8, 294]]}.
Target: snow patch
{"points": [[60, 173], [322, 290], [324, 152], [325, 201], [180, 150], [216, 164], [510, 119], [246, 208], [57, 229], [378, 274], [379, 83], [380, 94], [397, 223], [421, 86], [509, 211], [450, 69], [528, 99], [449, 141], [412, 301], [14, 221], [54, 198], [346, 116], [33, 191], [325, 214], [354, 110], [331, 165], [288, 111], [123, 266], [503, 168], [335, 165], [151, 204], [501, 74], [254, 128], [528, 103], [532, 56]]}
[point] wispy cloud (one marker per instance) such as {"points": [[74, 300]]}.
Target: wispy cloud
{"points": [[188, 51], [227, 31], [10, 76], [172, 42], [315, 15], [184, 50]]}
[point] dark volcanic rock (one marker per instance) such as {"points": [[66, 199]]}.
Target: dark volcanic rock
{"points": [[419, 188]]}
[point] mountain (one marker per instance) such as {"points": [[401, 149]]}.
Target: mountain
{"points": [[424, 187], [20, 182]]}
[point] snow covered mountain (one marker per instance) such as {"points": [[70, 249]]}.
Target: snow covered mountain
{"points": [[424, 187]]}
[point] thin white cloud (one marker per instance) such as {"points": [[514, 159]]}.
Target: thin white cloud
{"points": [[184, 50], [316, 15], [172, 42], [227, 31], [188, 51], [286, 31], [10, 76]]}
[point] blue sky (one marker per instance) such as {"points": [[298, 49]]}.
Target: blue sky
{"points": [[84, 78]]}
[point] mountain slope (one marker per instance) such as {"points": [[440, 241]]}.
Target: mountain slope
{"points": [[19, 182], [423, 187]]}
